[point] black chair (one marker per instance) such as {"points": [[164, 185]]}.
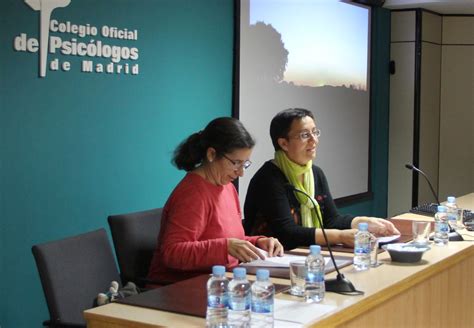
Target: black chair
{"points": [[135, 237], [72, 272]]}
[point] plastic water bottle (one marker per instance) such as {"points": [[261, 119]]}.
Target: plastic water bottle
{"points": [[452, 208], [314, 287], [239, 299], [441, 236], [263, 292], [217, 298], [362, 247]]}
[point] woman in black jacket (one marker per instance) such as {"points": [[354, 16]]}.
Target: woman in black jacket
{"points": [[273, 208]]}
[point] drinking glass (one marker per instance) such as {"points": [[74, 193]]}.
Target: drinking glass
{"points": [[297, 277], [421, 232]]}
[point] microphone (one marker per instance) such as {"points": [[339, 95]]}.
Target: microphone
{"points": [[340, 284], [413, 167], [453, 235]]}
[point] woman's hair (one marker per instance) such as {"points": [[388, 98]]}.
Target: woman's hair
{"points": [[224, 134], [281, 123]]}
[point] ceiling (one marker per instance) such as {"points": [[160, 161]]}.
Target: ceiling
{"points": [[446, 7]]}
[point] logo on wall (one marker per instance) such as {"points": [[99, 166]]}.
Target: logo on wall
{"points": [[84, 43]]}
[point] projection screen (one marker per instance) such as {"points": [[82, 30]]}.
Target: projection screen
{"points": [[312, 54]]}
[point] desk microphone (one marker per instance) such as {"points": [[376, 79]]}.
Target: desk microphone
{"points": [[340, 284], [453, 235], [413, 167]]}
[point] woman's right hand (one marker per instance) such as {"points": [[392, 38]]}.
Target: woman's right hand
{"points": [[243, 250], [336, 236], [346, 237]]}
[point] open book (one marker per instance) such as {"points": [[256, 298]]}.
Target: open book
{"points": [[276, 261]]}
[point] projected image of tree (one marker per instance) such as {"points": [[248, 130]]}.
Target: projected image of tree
{"points": [[312, 54], [272, 50]]}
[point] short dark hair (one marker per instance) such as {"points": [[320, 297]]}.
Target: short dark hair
{"points": [[224, 134], [281, 123]]}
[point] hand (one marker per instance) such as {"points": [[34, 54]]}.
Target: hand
{"points": [[336, 236], [346, 237], [377, 226], [243, 250], [271, 245]]}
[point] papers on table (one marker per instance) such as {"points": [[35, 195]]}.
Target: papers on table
{"points": [[297, 313], [286, 324], [388, 239], [276, 261]]}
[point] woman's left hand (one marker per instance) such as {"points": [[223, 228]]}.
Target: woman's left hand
{"points": [[271, 245], [377, 226]]}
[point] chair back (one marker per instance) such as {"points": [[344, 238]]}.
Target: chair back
{"points": [[72, 272], [135, 236]]}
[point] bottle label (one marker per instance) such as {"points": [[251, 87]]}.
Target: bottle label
{"points": [[262, 306], [442, 227], [239, 304], [217, 301], [361, 249], [452, 217], [314, 277]]}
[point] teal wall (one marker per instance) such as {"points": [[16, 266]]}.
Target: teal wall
{"points": [[76, 147]]}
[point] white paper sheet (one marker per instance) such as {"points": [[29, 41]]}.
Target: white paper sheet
{"points": [[286, 324], [388, 239], [299, 312], [277, 261]]}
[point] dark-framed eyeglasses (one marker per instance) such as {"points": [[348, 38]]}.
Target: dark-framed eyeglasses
{"points": [[306, 135], [238, 164]]}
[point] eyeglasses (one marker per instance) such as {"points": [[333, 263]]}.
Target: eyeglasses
{"points": [[239, 164], [306, 135]]}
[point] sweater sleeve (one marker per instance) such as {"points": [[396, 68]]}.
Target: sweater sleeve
{"points": [[268, 199], [181, 246], [253, 239], [331, 217]]}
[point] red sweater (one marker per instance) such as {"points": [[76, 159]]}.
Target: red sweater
{"points": [[196, 222]]}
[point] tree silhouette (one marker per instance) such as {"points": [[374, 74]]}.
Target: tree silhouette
{"points": [[267, 52]]}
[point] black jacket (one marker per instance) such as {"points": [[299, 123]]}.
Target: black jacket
{"points": [[271, 208]]}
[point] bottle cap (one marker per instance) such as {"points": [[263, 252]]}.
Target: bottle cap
{"points": [[240, 272], [315, 249], [218, 270], [442, 209], [363, 226], [451, 199], [263, 274]]}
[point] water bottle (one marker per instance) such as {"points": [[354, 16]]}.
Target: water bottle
{"points": [[263, 292], [441, 236], [239, 299], [362, 247], [314, 287], [217, 298], [452, 208]]}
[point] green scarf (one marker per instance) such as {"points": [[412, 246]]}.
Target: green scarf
{"points": [[309, 215]]}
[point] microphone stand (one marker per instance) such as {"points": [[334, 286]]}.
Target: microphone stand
{"points": [[340, 284], [413, 167], [456, 236]]}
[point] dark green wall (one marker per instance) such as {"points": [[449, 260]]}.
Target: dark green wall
{"points": [[77, 147], [379, 117]]}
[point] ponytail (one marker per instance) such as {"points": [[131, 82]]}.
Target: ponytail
{"points": [[190, 153], [224, 134]]}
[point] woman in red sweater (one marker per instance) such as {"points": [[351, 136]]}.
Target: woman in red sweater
{"points": [[201, 224]]}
